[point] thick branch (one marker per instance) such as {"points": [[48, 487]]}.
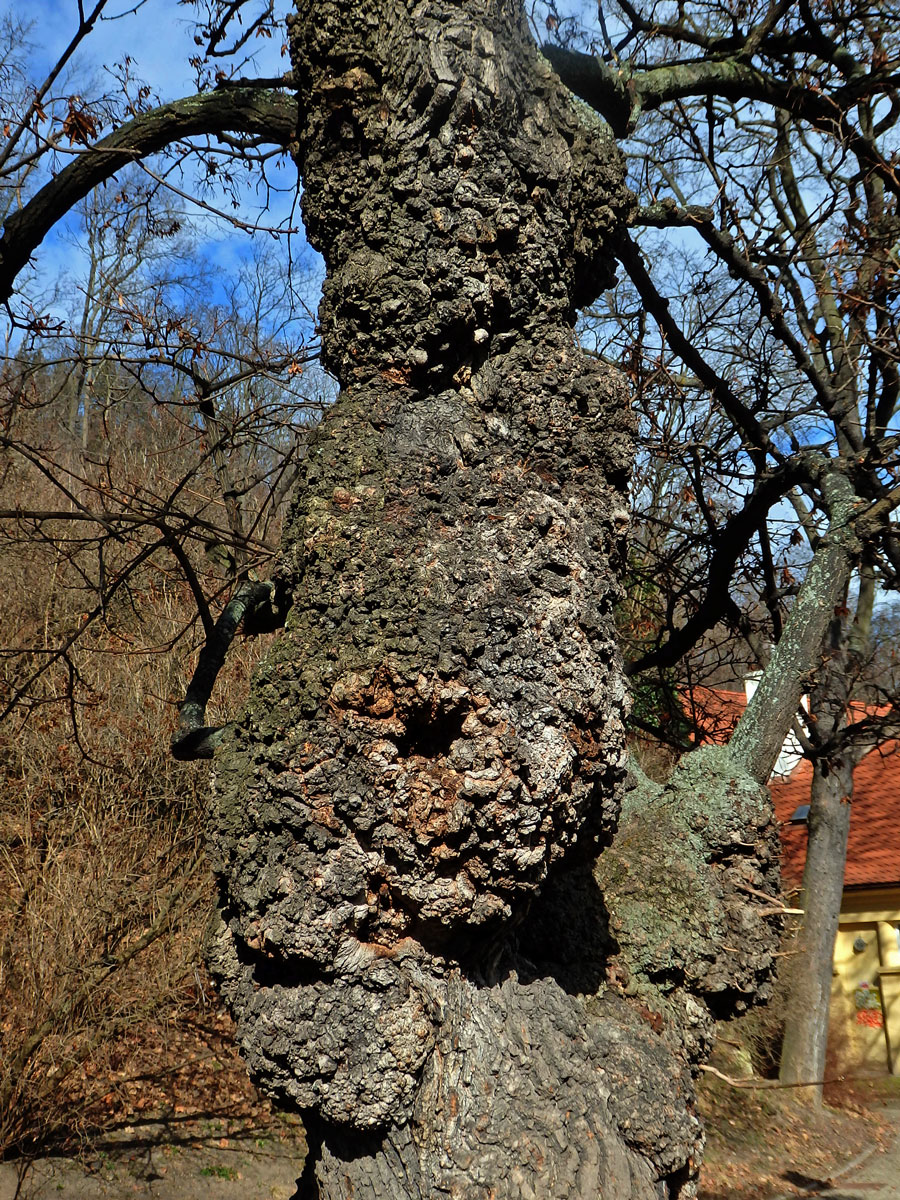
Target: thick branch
{"points": [[760, 733], [268, 114], [193, 739], [666, 214], [620, 97]]}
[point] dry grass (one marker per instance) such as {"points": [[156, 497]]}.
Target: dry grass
{"points": [[104, 892]]}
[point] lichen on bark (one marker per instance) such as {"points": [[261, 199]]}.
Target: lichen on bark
{"points": [[405, 816], [683, 879]]}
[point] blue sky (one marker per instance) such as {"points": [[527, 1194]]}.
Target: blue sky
{"points": [[157, 35], [158, 38]]}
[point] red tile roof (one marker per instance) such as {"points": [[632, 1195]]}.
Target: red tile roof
{"points": [[715, 712], [873, 849]]}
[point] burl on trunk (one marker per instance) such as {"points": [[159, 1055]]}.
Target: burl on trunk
{"points": [[412, 936]]}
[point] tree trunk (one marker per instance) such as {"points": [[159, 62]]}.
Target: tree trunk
{"points": [[807, 1016], [412, 936], [760, 734]]}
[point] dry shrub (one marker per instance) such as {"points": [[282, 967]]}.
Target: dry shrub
{"points": [[104, 893], [760, 1031]]}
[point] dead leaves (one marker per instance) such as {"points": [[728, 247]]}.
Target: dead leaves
{"points": [[79, 125]]}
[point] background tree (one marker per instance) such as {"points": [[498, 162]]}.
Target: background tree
{"points": [[764, 135]]}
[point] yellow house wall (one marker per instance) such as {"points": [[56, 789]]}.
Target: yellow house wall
{"points": [[865, 1015]]}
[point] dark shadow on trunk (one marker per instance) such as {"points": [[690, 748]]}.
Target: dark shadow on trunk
{"points": [[565, 935]]}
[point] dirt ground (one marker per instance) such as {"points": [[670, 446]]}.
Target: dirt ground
{"points": [[192, 1159], [873, 1172], [761, 1145], [764, 1144]]}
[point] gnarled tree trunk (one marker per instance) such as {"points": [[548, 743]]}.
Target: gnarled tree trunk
{"points": [[412, 936]]}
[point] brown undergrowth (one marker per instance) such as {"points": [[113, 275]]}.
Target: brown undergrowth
{"points": [[764, 1143], [105, 893], [105, 1009]]}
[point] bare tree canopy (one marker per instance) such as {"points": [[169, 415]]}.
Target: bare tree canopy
{"points": [[764, 136]]}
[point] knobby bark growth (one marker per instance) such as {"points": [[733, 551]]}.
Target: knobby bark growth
{"points": [[412, 934]]}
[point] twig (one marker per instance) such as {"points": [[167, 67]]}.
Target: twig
{"points": [[775, 907], [772, 1083]]}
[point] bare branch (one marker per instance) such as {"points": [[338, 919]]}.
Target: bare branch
{"points": [[270, 114], [193, 739]]}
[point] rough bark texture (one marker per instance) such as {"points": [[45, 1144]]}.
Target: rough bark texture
{"points": [[412, 936], [683, 880]]}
